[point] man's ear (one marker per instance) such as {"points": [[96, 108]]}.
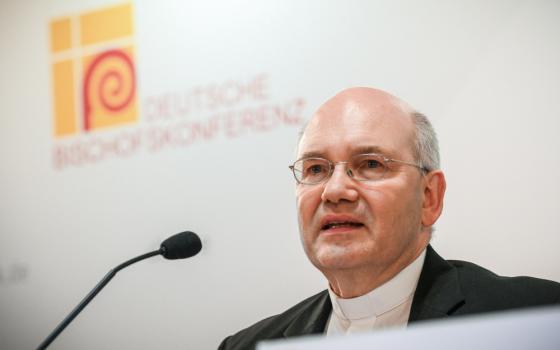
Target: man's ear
{"points": [[434, 191]]}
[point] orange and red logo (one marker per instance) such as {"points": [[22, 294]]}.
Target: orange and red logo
{"points": [[94, 78]]}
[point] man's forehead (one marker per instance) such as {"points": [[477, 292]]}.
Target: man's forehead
{"points": [[355, 113]]}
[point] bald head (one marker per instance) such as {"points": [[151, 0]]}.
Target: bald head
{"points": [[377, 101], [385, 109]]}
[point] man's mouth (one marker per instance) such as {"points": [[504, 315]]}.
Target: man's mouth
{"points": [[341, 224]]}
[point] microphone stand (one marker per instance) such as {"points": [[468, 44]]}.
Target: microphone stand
{"points": [[92, 295]]}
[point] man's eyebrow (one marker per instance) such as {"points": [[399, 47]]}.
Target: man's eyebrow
{"points": [[312, 154], [355, 150], [370, 149]]}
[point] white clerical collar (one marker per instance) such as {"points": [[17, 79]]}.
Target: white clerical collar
{"points": [[383, 298]]}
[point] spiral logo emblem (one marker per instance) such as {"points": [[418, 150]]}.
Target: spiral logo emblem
{"points": [[109, 90]]}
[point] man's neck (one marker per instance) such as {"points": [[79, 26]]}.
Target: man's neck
{"points": [[351, 283]]}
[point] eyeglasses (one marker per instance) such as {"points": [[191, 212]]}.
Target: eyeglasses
{"points": [[361, 167]]}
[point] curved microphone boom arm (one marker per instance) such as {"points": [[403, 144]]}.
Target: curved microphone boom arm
{"points": [[180, 246]]}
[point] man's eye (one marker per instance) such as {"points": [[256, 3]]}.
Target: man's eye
{"points": [[372, 164], [369, 167], [315, 169]]}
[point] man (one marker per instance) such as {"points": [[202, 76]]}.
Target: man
{"points": [[369, 189]]}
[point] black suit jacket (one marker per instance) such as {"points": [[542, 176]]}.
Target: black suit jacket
{"points": [[445, 289]]}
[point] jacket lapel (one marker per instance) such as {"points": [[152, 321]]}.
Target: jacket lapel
{"points": [[438, 293], [312, 320]]}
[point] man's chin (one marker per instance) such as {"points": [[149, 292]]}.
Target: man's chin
{"points": [[334, 257]]}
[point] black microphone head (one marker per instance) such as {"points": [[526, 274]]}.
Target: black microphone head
{"points": [[180, 246]]}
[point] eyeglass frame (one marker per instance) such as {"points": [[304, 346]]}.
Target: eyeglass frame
{"points": [[349, 172]]}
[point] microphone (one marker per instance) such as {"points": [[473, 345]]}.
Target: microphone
{"points": [[179, 246]]}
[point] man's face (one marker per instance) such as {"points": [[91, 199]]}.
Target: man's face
{"points": [[376, 224]]}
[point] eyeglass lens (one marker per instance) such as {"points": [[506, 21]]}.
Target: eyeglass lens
{"points": [[363, 167]]}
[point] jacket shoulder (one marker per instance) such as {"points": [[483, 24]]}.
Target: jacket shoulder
{"points": [[485, 290], [273, 327]]}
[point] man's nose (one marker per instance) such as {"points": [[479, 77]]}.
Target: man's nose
{"points": [[340, 186]]}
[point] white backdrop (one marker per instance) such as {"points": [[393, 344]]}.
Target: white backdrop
{"points": [[487, 73]]}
